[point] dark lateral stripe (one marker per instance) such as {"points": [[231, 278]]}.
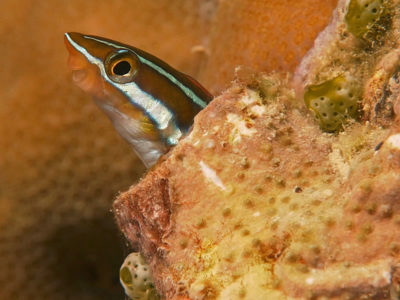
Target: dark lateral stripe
{"points": [[169, 76], [163, 69]]}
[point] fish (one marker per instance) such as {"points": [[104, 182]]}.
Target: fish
{"points": [[151, 104]]}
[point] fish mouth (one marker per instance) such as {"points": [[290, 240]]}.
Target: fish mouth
{"points": [[84, 74], [77, 63]]}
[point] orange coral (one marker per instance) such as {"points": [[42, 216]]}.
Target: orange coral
{"points": [[262, 36], [61, 163]]}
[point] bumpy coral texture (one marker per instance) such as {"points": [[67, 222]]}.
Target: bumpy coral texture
{"points": [[261, 35], [61, 163], [265, 199], [258, 203]]}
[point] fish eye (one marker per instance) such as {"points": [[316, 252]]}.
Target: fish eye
{"points": [[121, 66]]}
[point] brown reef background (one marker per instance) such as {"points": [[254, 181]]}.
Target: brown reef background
{"points": [[61, 162]]}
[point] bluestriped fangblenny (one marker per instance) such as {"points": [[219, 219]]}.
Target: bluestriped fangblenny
{"points": [[150, 104]]}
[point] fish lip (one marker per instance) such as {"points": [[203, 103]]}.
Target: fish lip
{"points": [[73, 36], [75, 63], [72, 41]]}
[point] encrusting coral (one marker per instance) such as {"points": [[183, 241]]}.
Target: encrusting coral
{"points": [[264, 201], [61, 163], [260, 35]]}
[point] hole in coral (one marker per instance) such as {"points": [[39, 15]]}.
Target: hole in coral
{"points": [[322, 98], [374, 11], [324, 115], [341, 103], [335, 113], [350, 95], [298, 189]]}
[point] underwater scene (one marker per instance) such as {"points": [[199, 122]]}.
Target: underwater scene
{"points": [[200, 149]]}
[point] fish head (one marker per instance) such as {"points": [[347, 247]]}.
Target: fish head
{"points": [[106, 70], [98, 65], [149, 103]]}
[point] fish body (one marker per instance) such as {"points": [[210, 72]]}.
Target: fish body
{"points": [[150, 104]]}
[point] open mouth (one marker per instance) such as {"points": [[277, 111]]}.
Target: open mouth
{"points": [[83, 72]]}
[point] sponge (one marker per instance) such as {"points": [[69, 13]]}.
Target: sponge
{"points": [[136, 279], [333, 102]]}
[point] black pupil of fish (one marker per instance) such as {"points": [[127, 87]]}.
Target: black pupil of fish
{"points": [[122, 68]]}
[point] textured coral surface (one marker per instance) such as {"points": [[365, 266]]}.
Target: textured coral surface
{"points": [[261, 35], [282, 193], [61, 163], [258, 203]]}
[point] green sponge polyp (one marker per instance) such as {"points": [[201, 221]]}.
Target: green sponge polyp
{"points": [[365, 17], [333, 102], [136, 279]]}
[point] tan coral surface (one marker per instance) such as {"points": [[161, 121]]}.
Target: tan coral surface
{"points": [[258, 203], [61, 163], [281, 193]]}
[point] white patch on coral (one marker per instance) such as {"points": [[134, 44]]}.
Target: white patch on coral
{"points": [[394, 141], [310, 280], [240, 127], [250, 97], [210, 144], [327, 193], [211, 175], [387, 275], [376, 274], [339, 163], [189, 137], [258, 110], [256, 214]]}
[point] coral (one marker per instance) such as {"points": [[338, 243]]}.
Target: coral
{"points": [[369, 60], [259, 203], [295, 230], [260, 35], [61, 163]]}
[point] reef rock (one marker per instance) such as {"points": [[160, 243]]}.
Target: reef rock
{"points": [[281, 193]]}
